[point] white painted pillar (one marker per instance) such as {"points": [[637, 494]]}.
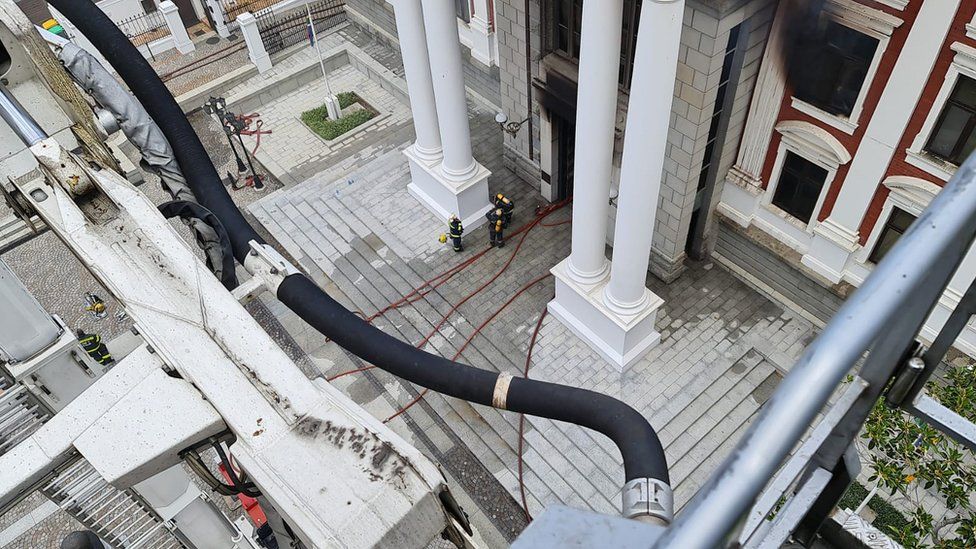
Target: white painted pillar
{"points": [[645, 141], [416, 66], [252, 38], [444, 50], [595, 118], [217, 14], [765, 106], [176, 29], [837, 237], [482, 32]]}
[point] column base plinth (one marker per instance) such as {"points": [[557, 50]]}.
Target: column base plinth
{"points": [[830, 249], [443, 197], [620, 339]]}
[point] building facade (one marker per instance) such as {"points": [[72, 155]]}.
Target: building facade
{"points": [[835, 164], [815, 171]]}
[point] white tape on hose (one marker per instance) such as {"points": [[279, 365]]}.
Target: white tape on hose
{"points": [[501, 391]]}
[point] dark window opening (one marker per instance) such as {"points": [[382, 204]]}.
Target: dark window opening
{"points": [[954, 138], [567, 21], [717, 133], [898, 222], [799, 187], [830, 69]]}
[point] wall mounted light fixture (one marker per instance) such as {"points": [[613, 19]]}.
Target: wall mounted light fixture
{"points": [[511, 128]]}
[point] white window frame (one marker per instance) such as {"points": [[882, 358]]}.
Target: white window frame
{"points": [[868, 21], [814, 144], [911, 194], [964, 63], [971, 28]]}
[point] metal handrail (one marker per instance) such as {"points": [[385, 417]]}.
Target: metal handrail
{"points": [[891, 305]]}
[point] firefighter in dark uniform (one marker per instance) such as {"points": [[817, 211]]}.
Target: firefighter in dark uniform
{"points": [[496, 225], [455, 230], [95, 347], [506, 205]]}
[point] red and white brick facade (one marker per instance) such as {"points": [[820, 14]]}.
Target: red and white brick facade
{"points": [[875, 160]]}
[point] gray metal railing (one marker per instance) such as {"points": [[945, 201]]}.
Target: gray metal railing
{"points": [[879, 323]]}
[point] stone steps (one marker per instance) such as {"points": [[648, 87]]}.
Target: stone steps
{"points": [[339, 221], [14, 231]]}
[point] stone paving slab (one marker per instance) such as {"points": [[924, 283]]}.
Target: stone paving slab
{"points": [[694, 387]]}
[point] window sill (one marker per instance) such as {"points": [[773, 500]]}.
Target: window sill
{"points": [[834, 121], [931, 165], [787, 217]]}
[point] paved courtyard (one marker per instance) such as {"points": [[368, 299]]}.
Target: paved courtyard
{"points": [[344, 214], [357, 231]]}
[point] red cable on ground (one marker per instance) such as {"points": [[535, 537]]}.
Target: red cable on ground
{"points": [[471, 337], [521, 429], [257, 132], [433, 283]]}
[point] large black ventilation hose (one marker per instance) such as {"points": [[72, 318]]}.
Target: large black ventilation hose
{"points": [[642, 452]]}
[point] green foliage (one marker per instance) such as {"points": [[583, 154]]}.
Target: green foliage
{"points": [[346, 99], [317, 119], [853, 497], [889, 519], [913, 459]]}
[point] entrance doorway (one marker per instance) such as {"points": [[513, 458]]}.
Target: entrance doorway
{"points": [[187, 14], [564, 162]]}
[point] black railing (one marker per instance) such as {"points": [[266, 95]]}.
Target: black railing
{"points": [[144, 28], [279, 31], [233, 8]]}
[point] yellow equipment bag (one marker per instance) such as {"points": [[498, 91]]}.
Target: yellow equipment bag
{"points": [[442, 238]]}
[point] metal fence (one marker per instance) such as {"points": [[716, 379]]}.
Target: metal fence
{"points": [[144, 27], [233, 8], [279, 31]]}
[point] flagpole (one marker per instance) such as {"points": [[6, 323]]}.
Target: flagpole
{"points": [[331, 101]]}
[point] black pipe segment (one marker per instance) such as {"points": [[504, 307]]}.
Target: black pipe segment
{"points": [[637, 441]]}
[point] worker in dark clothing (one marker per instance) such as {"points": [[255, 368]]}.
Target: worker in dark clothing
{"points": [[507, 207], [455, 230], [496, 225], [95, 347]]}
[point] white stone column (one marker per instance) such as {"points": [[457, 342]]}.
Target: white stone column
{"points": [[645, 141], [218, 16], [482, 34], [252, 38], [595, 119], [457, 184], [837, 238], [619, 322], [181, 39], [444, 49], [416, 66]]}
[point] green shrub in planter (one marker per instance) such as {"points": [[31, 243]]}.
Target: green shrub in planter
{"points": [[318, 121]]}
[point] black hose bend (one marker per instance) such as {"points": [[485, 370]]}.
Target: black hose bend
{"points": [[638, 443], [642, 452]]}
